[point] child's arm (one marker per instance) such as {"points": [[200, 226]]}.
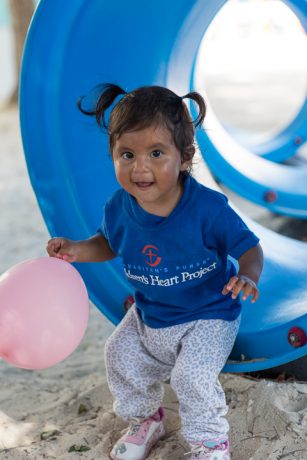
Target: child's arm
{"points": [[250, 268], [94, 249]]}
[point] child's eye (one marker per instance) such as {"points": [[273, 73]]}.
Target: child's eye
{"points": [[127, 155], [156, 153]]}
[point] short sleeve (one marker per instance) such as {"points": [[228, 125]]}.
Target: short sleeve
{"points": [[229, 234], [103, 226]]}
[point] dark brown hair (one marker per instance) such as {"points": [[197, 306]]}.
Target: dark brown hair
{"points": [[145, 106]]}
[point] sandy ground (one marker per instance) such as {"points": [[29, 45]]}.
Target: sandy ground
{"points": [[51, 414]]}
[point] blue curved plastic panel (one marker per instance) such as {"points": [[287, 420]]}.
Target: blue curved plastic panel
{"points": [[74, 45], [254, 177], [247, 174]]}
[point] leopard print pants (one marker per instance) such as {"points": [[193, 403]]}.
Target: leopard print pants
{"points": [[139, 358]]}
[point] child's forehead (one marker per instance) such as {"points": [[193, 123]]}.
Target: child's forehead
{"points": [[151, 135]]}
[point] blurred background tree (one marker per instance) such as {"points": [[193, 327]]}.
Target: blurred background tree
{"points": [[21, 12]]}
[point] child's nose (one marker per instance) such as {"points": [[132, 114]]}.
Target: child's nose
{"points": [[141, 163]]}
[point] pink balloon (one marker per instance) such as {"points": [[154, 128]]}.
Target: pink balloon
{"points": [[44, 312]]}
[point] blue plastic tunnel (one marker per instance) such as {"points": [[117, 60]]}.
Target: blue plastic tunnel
{"points": [[74, 45], [285, 143]]}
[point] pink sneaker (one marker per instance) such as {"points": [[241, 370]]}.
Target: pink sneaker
{"points": [[210, 450], [140, 438]]}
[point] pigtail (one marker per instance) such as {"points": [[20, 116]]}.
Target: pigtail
{"points": [[108, 92], [196, 97]]}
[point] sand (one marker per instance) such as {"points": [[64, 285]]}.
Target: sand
{"points": [[65, 412]]}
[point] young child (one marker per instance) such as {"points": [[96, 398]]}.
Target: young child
{"points": [[174, 236]]}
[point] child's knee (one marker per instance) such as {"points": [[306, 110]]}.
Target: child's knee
{"points": [[118, 345], [187, 381]]}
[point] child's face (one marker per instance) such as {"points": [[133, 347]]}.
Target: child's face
{"points": [[147, 165]]}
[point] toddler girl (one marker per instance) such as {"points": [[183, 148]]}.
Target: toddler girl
{"points": [[174, 236]]}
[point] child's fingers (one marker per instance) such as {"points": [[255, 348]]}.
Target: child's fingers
{"points": [[67, 257], [53, 247], [55, 242], [250, 290], [256, 296], [56, 247], [234, 285], [247, 291], [237, 288], [230, 285]]}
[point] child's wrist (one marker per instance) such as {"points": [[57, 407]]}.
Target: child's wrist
{"points": [[249, 278]]}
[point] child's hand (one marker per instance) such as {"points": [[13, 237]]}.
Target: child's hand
{"points": [[62, 248], [239, 283]]}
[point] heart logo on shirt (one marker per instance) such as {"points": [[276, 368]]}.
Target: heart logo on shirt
{"points": [[151, 255]]}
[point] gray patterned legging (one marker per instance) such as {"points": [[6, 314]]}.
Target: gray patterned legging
{"points": [[139, 358]]}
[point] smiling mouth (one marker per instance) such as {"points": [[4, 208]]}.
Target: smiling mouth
{"points": [[143, 185]]}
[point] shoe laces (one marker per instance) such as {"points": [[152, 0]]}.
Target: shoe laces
{"points": [[200, 449], [135, 425]]}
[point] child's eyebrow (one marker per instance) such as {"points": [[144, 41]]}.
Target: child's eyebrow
{"points": [[150, 147], [157, 146], [123, 147]]}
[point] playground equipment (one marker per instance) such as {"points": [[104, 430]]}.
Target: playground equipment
{"points": [[257, 16], [278, 187], [71, 47]]}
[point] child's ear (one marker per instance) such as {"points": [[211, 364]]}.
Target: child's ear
{"points": [[185, 165], [187, 157]]}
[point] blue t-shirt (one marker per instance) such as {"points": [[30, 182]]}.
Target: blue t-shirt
{"points": [[178, 265]]}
